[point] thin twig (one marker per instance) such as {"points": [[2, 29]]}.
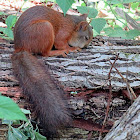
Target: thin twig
{"points": [[109, 97], [125, 80]]}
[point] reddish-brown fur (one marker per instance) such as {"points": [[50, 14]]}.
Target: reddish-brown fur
{"points": [[36, 31], [47, 97], [40, 27]]}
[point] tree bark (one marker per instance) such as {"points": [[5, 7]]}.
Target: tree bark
{"points": [[88, 68], [128, 126]]}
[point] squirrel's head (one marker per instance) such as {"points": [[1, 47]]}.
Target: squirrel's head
{"points": [[82, 35]]}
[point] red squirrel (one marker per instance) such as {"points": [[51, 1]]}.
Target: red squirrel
{"points": [[37, 30]]}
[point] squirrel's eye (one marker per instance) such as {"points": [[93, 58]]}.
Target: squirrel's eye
{"points": [[86, 38]]}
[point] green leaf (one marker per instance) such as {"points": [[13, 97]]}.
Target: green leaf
{"points": [[2, 29], [9, 33], [135, 5], [65, 5], [18, 134], [83, 4], [7, 38], [8, 122], [25, 111], [120, 1], [17, 122], [2, 13], [10, 21], [98, 24], [138, 19], [113, 2], [38, 136], [118, 32], [132, 33], [27, 130], [11, 136], [108, 30], [9, 110], [95, 33], [92, 12], [120, 5]]}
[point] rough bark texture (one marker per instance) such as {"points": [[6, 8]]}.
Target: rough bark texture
{"points": [[128, 126], [90, 67]]}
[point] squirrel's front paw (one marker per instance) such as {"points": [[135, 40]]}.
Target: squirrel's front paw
{"points": [[74, 49], [64, 53]]}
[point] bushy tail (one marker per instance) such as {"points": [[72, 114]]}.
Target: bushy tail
{"points": [[39, 86]]}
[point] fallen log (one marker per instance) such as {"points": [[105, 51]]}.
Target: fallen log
{"points": [[128, 126]]}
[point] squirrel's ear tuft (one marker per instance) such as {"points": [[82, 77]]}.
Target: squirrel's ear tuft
{"points": [[82, 26], [84, 16]]}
